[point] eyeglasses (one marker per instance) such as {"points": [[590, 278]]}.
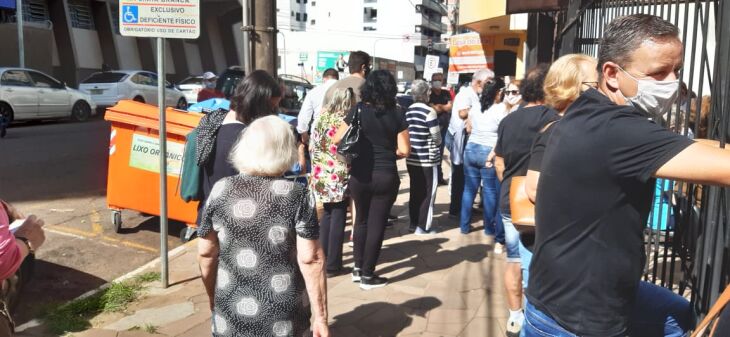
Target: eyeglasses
{"points": [[512, 92]]}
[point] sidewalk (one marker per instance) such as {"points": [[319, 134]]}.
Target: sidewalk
{"points": [[446, 284]]}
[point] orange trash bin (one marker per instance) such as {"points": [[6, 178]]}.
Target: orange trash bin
{"points": [[133, 181]]}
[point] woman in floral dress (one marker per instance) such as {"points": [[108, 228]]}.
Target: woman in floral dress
{"points": [[329, 178]]}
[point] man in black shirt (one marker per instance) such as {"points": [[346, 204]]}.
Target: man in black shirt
{"points": [[595, 193], [440, 101]]}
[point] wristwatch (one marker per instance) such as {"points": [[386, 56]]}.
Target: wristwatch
{"points": [[27, 244]]}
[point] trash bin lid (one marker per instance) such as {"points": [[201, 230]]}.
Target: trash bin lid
{"points": [[139, 114]]}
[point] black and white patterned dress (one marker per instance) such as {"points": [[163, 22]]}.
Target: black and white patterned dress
{"points": [[260, 290]]}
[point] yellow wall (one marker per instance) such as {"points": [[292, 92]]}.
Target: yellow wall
{"points": [[490, 43], [478, 10]]}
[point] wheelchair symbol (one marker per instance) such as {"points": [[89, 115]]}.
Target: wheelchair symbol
{"points": [[131, 14]]}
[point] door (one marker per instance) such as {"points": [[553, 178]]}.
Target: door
{"points": [[505, 63], [53, 99], [151, 87], [17, 89]]}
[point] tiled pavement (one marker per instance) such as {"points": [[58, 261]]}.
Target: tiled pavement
{"points": [[446, 284]]}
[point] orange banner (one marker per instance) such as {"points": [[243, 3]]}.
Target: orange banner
{"points": [[466, 53]]}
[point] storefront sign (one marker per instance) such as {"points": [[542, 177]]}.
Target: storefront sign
{"points": [[177, 19], [328, 59], [145, 155], [466, 53]]}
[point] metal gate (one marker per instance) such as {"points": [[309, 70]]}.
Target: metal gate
{"points": [[687, 236]]}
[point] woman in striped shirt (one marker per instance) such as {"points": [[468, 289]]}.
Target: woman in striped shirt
{"points": [[425, 136]]}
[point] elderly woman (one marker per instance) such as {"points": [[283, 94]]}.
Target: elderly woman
{"points": [[566, 79], [257, 95], [259, 251], [374, 177], [329, 177], [425, 138]]}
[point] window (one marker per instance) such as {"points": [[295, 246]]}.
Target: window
{"points": [[43, 81], [370, 1], [299, 18], [16, 78], [35, 11], [314, 3], [114, 9], [80, 13], [370, 14], [312, 22], [106, 77], [368, 29], [292, 13], [298, 1], [304, 17]]}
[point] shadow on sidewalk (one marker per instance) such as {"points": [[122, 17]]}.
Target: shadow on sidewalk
{"points": [[435, 261], [382, 319], [404, 250], [52, 283]]}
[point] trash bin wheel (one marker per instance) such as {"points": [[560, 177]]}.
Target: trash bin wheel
{"points": [[187, 234], [117, 221]]}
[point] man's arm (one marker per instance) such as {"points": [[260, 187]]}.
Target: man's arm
{"points": [[306, 113], [700, 163], [499, 166]]}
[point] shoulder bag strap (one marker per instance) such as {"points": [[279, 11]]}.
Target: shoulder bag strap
{"points": [[721, 302]]}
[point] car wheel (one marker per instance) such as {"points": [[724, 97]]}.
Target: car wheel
{"points": [[182, 104], [138, 99], [7, 112], [81, 111]]}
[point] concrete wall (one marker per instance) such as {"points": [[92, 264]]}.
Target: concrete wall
{"points": [[35, 39], [88, 49], [169, 57], [193, 57], [216, 43], [127, 52]]}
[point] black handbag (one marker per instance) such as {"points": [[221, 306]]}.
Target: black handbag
{"points": [[349, 147]]}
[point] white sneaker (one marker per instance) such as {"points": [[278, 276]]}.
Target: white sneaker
{"points": [[498, 249], [420, 231], [513, 329]]}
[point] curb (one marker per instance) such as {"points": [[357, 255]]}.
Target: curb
{"points": [[170, 255]]}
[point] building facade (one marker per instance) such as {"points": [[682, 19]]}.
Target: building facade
{"points": [[77, 37]]}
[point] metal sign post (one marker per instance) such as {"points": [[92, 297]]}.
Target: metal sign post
{"points": [[19, 21], [176, 19], [163, 157]]}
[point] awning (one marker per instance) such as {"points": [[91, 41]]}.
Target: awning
{"points": [[525, 6]]}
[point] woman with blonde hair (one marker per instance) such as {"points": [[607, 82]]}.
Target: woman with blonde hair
{"points": [[567, 78], [329, 177], [260, 260]]}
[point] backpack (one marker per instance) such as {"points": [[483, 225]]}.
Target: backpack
{"points": [[191, 177]]}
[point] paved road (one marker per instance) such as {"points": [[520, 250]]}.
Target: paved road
{"points": [[57, 170]]}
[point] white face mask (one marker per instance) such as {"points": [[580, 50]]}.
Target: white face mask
{"points": [[513, 99], [436, 84], [653, 97]]}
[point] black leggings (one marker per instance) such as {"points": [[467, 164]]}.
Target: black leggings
{"points": [[424, 181], [373, 200], [332, 233]]}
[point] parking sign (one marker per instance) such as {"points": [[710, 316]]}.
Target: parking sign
{"points": [[178, 19]]}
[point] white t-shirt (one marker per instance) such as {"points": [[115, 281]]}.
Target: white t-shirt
{"points": [[467, 97], [484, 125]]}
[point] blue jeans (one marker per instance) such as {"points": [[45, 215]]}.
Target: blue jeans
{"points": [[476, 173], [656, 312], [525, 260], [512, 242]]}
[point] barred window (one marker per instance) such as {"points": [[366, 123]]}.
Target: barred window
{"points": [[80, 13], [35, 11]]}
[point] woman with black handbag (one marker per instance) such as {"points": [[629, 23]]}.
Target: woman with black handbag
{"points": [[377, 138]]}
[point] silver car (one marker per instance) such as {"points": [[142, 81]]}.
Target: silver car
{"points": [[27, 94], [191, 86], [109, 87]]}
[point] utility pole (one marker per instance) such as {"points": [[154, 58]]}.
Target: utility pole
{"points": [[21, 42], [246, 29], [265, 53]]}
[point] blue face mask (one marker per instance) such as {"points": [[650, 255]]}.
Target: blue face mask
{"points": [[210, 85]]}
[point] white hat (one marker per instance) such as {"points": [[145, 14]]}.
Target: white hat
{"points": [[208, 75]]}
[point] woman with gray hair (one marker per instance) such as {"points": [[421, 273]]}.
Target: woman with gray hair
{"points": [[329, 177], [258, 250], [425, 137]]}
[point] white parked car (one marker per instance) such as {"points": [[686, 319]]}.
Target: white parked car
{"points": [[109, 87], [27, 94], [190, 87]]}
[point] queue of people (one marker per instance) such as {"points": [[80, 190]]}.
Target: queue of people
{"points": [[580, 131]]}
